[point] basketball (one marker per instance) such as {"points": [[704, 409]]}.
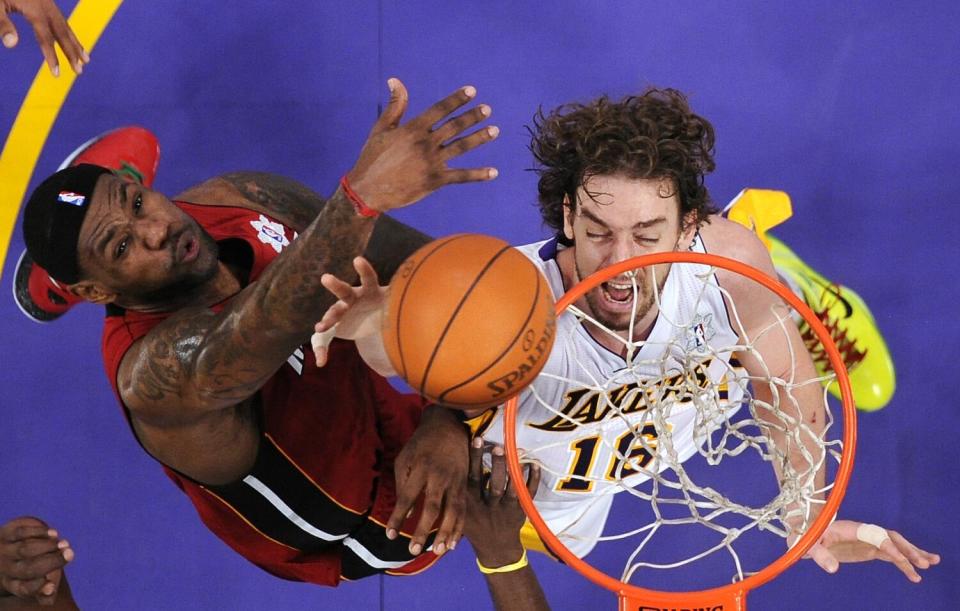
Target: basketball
{"points": [[470, 321]]}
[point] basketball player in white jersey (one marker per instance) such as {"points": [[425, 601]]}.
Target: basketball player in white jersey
{"points": [[619, 179]]}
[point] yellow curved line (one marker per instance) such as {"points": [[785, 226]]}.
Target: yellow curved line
{"points": [[38, 112]]}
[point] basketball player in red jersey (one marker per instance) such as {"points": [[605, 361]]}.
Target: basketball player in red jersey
{"points": [[209, 300]]}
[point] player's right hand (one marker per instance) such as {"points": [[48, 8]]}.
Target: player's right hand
{"points": [[400, 164], [49, 26], [494, 515], [32, 557]]}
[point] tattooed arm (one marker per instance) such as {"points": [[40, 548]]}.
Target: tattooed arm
{"points": [[199, 361], [297, 205]]}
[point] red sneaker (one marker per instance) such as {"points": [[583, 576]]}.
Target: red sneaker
{"points": [[133, 153]]}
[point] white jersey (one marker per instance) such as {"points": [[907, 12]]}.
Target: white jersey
{"points": [[565, 421]]}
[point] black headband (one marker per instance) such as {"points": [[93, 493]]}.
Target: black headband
{"points": [[53, 216]]}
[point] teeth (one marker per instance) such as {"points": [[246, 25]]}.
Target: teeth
{"points": [[619, 287]]}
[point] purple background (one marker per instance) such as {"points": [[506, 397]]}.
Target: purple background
{"points": [[852, 110]]}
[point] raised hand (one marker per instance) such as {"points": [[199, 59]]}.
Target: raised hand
{"points": [[494, 520], [849, 541], [400, 164], [49, 26], [32, 557], [494, 515]]}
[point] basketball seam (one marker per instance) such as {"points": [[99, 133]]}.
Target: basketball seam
{"points": [[439, 244], [453, 315], [533, 308]]}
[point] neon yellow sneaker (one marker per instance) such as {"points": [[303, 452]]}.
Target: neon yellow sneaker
{"points": [[851, 325]]}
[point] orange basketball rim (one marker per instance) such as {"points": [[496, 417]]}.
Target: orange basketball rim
{"points": [[728, 597]]}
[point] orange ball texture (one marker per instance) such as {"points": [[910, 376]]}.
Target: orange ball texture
{"points": [[470, 321]]}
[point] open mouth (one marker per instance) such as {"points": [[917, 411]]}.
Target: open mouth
{"points": [[618, 293], [187, 248]]}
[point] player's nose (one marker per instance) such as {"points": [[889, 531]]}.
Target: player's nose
{"points": [[623, 249], [154, 232]]}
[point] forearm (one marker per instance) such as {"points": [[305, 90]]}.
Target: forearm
{"points": [[796, 426], [271, 317]]}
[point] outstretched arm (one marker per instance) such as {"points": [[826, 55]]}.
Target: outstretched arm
{"points": [[494, 519], [778, 353], [297, 205], [199, 361]]}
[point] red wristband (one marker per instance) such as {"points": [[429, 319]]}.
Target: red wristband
{"points": [[361, 208]]}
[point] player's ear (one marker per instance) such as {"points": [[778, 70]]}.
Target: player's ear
{"points": [[688, 229], [568, 212], [92, 292]]}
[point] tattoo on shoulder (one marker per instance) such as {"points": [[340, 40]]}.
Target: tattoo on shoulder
{"points": [[289, 200], [157, 373]]}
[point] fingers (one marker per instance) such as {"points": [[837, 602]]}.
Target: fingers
{"points": [[368, 276], [320, 342], [824, 559], [65, 37], [36, 546], [467, 143], [338, 287], [889, 549], [408, 489], [38, 566], [432, 504], [498, 475], [461, 123], [444, 107], [474, 175], [24, 588], [475, 474], [8, 33], [454, 509], [533, 479], [395, 108], [19, 529], [918, 557], [48, 592], [44, 35]]}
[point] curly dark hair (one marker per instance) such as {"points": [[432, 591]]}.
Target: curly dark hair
{"points": [[652, 135]]}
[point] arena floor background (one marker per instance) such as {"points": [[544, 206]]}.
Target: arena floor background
{"points": [[850, 109]]}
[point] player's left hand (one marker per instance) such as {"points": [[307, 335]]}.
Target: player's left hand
{"points": [[433, 462], [49, 26], [357, 313], [32, 557], [494, 516], [849, 541]]}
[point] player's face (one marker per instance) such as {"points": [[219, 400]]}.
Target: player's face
{"points": [[137, 244], [616, 218]]}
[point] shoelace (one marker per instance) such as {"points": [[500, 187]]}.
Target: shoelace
{"points": [[851, 354]]}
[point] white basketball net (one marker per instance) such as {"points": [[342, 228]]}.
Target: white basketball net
{"points": [[729, 419]]}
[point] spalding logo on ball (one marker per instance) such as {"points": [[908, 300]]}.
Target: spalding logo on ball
{"points": [[470, 321]]}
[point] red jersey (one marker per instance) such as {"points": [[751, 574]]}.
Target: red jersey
{"points": [[314, 506]]}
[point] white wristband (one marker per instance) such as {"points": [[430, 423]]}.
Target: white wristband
{"points": [[872, 534]]}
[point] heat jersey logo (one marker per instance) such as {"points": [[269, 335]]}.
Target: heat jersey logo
{"points": [[586, 405], [270, 232]]}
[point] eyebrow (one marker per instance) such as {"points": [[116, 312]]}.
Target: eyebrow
{"points": [[640, 225], [101, 245]]}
